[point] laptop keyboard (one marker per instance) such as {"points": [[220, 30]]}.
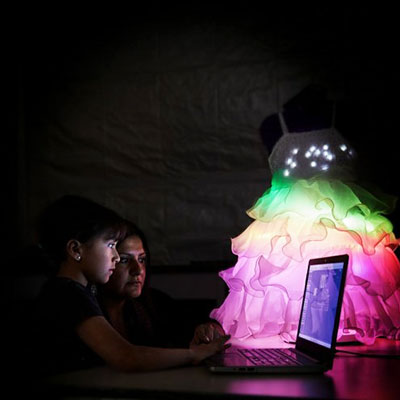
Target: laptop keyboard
{"points": [[269, 357]]}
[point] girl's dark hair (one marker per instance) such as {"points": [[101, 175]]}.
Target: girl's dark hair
{"points": [[75, 217]]}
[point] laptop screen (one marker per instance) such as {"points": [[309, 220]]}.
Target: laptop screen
{"points": [[320, 302]]}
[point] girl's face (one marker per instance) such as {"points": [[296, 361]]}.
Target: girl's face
{"points": [[130, 272], [99, 259]]}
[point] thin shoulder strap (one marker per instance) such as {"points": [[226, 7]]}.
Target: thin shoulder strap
{"points": [[283, 123], [278, 102]]}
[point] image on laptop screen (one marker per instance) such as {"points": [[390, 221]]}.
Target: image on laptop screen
{"points": [[321, 297]]}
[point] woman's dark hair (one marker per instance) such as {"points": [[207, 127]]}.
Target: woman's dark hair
{"points": [[75, 217], [130, 229]]}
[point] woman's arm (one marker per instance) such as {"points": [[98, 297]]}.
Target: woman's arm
{"points": [[104, 340], [207, 332]]}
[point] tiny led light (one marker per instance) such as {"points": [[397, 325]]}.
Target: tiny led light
{"points": [[319, 156]]}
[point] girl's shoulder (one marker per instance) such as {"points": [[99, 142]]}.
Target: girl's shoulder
{"points": [[70, 296], [60, 286]]}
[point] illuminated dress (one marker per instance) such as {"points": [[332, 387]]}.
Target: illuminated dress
{"points": [[312, 210]]}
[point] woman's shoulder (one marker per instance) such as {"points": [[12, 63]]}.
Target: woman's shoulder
{"points": [[157, 293], [155, 300]]}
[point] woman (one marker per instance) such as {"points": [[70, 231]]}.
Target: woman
{"points": [[141, 314], [69, 327]]}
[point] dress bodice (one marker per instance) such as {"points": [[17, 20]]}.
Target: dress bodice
{"points": [[306, 154]]}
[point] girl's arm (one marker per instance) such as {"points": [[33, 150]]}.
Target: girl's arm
{"points": [[116, 351]]}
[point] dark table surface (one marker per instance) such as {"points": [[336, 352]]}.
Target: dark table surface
{"points": [[376, 375]]}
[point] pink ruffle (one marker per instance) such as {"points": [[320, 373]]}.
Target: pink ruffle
{"points": [[306, 219]]}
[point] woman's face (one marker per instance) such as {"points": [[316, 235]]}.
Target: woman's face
{"points": [[130, 272]]}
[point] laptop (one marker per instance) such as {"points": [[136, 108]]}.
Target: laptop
{"points": [[316, 336]]}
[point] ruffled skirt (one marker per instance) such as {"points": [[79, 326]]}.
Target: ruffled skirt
{"points": [[296, 220]]}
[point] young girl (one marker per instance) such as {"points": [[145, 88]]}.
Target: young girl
{"points": [[69, 328], [140, 313]]}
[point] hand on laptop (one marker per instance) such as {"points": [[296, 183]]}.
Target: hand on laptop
{"points": [[202, 351], [207, 332]]}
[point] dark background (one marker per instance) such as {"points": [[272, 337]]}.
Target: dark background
{"points": [[349, 50]]}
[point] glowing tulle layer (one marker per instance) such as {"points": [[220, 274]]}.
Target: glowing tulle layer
{"points": [[296, 220]]}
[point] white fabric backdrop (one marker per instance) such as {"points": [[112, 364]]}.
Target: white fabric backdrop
{"points": [[161, 121]]}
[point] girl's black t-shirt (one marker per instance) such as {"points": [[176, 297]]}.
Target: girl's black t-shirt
{"points": [[53, 345]]}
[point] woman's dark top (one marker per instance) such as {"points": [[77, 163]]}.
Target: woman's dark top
{"points": [[54, 345], [155, 319]]}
